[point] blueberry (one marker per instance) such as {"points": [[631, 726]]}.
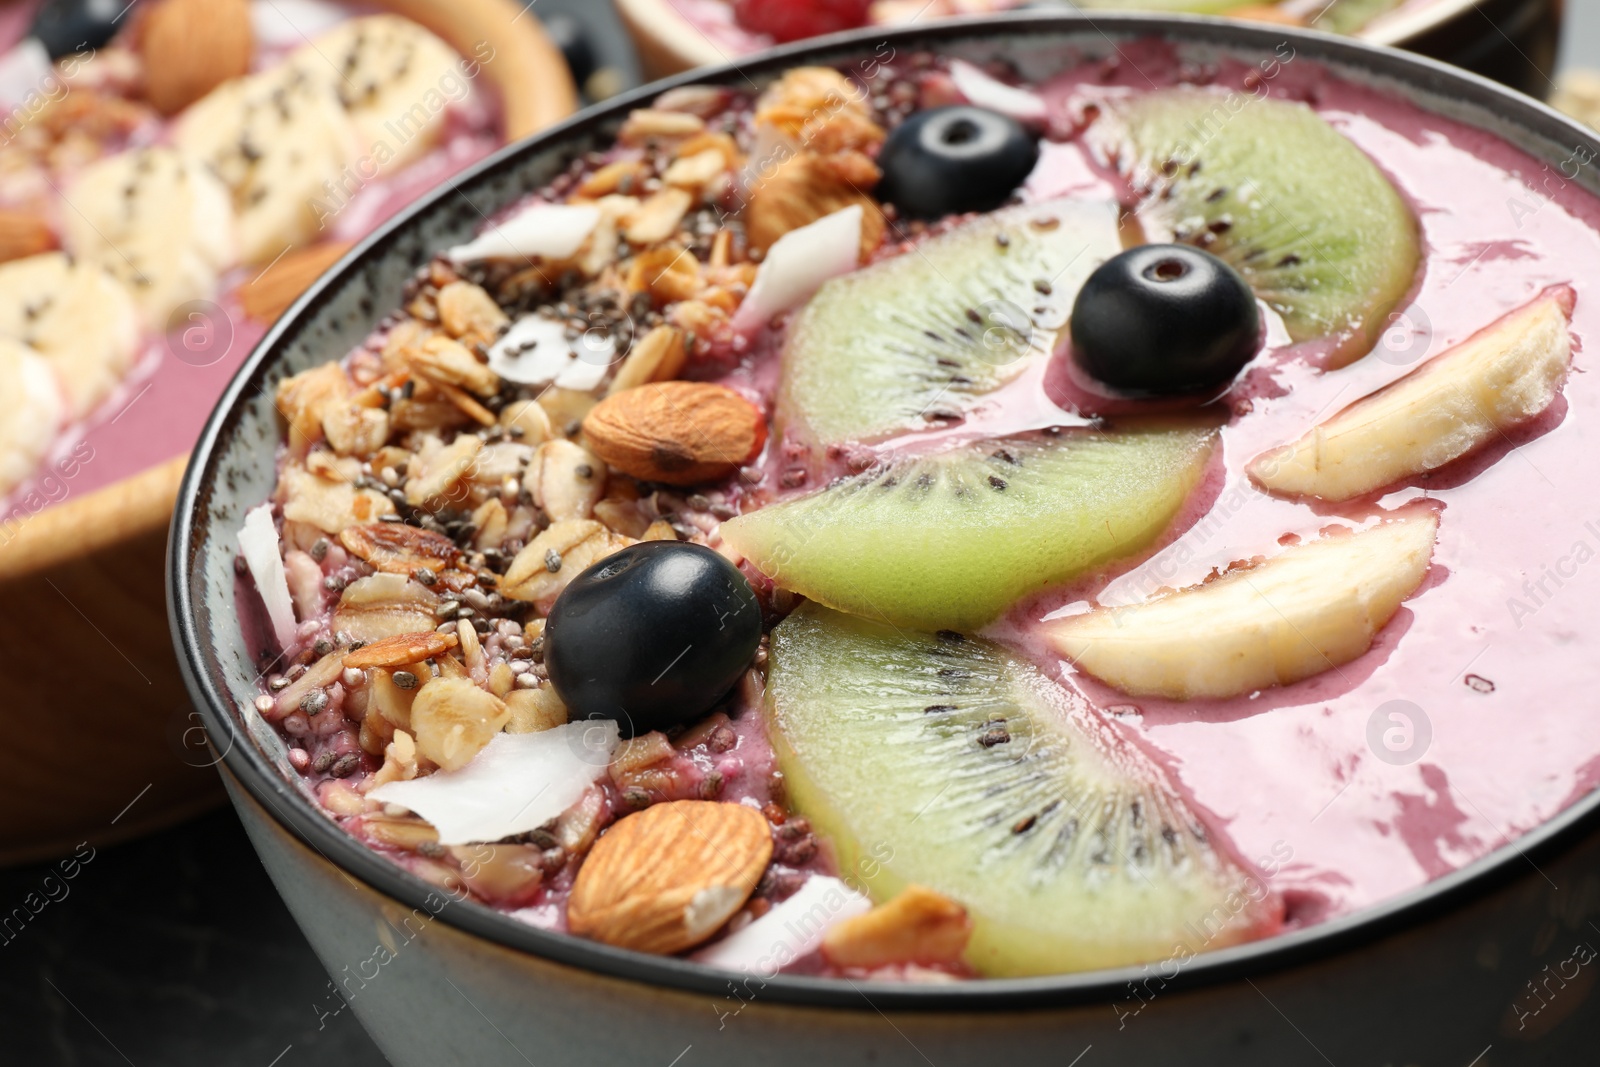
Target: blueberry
{"points": [[954, 159], [66, 27], [1164, 319], [652, 636]]}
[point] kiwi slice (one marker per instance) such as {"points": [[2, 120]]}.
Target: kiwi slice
{"points": [[944, 761], [914, 340], [953, 538], [1267, 185]]}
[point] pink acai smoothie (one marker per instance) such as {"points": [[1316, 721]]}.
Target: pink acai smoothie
{"points": [[1464, 725]]}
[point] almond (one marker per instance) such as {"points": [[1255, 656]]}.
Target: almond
{"points": [[918, 926], [270, 294], [23, 234], [680, 433], [399, 650], [667, 878], [397, 548], [191, 47]]}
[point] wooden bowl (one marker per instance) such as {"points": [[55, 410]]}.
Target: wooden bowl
{"points": [[1511, 41], [103, 742]]}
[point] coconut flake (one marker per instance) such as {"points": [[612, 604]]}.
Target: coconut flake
{"points": [[291, 23], [553, 231], [517, 783], [798, 263], [789, 931], [536, 351], [258, 540], [984, 91]]}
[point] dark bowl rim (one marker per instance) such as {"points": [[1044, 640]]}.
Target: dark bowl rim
{"points": [[313, 829]]}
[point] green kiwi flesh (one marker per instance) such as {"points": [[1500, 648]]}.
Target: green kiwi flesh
{"points": [[915, 340], [954, 538], [946, 762], [1267, 185]]}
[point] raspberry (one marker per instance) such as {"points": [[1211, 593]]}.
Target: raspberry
{"points": [[790, 20]]}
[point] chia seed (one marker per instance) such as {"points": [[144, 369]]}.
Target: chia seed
{"points": [[345, 765], [552, 561], [405, 679], [314, 702]]}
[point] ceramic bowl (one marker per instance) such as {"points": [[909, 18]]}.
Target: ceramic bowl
{"points": [[1433, 976]]}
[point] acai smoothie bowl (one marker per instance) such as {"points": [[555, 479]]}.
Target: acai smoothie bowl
{"points": [[1024, 515]]}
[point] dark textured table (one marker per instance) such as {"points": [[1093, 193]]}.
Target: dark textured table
{"points": [[175, 951]]}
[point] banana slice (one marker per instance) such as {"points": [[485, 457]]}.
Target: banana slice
{"points": [[1313, 607], [32, 413], [77, 316], [281, 142], [1452, 405], [395, 81], [157, 221]]}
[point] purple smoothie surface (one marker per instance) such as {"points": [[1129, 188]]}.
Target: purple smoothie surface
{"points": [[1488, 654]]}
